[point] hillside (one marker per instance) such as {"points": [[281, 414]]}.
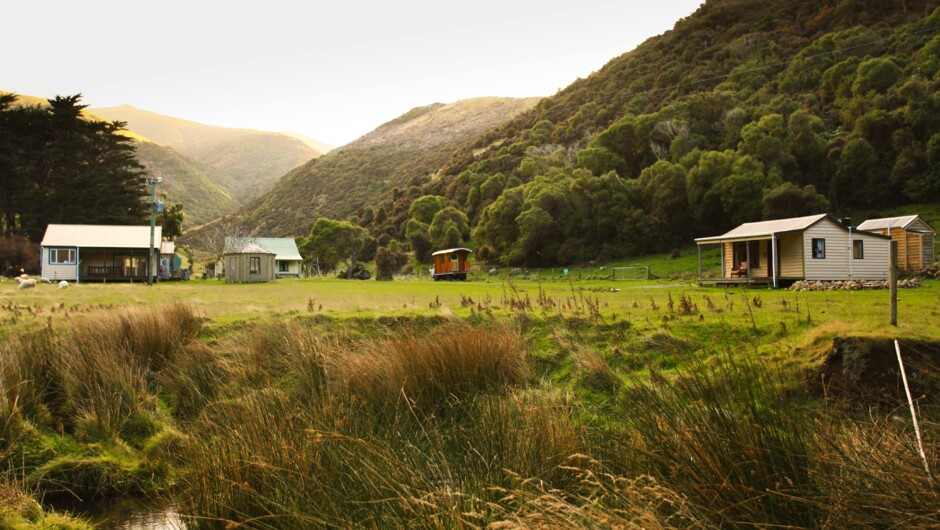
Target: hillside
{"points": [[186, 183], [358, 174], [747, 109], [247, 162], [316, 145]]}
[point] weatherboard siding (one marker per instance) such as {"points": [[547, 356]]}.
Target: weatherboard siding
{"points": [[928, 250], [874, 266], [836, 265], [791, 255], [57, 272]]}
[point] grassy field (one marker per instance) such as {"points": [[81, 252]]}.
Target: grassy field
{"points": [[642, 303], [499, 402]]}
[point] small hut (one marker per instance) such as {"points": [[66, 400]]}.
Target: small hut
{"points": [[914, 236], [451, 264], [248, 263]]}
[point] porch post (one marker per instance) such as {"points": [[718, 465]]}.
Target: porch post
{"points": [[773, 258], [747, 256], [699, 248]]}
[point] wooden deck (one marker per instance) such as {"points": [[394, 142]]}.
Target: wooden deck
{"points": [[732, 282]]}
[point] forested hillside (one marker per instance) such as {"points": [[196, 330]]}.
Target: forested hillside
{"points": [[357, 175], [747, 109], [245, 163]]}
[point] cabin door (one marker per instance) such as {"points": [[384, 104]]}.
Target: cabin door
{"points": [[232, 273]]}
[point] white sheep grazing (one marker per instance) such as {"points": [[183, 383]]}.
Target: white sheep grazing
{"points": [[63, 284], [45, 280], [27, 284], [18, 280], [24, 275]]}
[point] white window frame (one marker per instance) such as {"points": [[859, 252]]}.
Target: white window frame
{"points": [[55, 258]]}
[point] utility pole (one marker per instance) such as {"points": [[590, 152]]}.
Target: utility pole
{"points": [[153, 181]]}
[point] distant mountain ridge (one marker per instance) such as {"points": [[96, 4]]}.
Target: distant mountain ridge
{"points": [[248, 161], [362, 172]]}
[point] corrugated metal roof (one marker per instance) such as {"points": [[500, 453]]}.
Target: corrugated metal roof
{"points": [[248, 248], [767, 228], [284, 248], [894, 222], [101, 236]]}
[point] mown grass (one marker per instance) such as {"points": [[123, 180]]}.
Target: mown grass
{"points": [[500, 404]]}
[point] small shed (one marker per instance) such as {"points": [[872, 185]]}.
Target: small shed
{"points": [[914, 236], [169, 261], [451, 264], [248, 263]]}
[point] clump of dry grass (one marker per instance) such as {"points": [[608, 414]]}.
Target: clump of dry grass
{"points": [[596, 374], [455, 361]]}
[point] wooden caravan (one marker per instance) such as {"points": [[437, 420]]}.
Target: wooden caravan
{"points": [[914, 236], [815, 247], [451, 264]]}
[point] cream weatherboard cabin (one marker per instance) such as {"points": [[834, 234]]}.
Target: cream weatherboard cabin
{"points": [[915, 239], [78, 253], [814, 247]]}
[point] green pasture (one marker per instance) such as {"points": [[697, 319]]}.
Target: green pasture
{"points": [[644, 305]]}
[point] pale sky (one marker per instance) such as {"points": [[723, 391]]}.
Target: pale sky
{"points": [[333, 71]]}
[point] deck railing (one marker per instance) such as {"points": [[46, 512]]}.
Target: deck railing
{"points": [[117, 271]]}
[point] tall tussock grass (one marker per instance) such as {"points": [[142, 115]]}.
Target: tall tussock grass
{"points": [[742, 446], [726, 436], [404, 427], [454, 362], [97, 373]]}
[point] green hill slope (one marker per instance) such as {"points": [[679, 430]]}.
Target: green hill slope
{"points": [[349, 178], [186, 183], [251, 160], [729, 117]]}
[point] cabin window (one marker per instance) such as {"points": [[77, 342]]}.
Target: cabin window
{"points": [[61, 256], [819, 248], [741, 252], [254, 265], [858, 249], [283, 266]]}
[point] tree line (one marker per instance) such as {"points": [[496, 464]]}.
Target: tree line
{"points": [[57, 166]]}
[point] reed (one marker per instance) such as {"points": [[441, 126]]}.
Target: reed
{"points": [[727, 437]]}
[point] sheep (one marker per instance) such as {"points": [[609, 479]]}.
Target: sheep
{"points": [[27, 284], [45, 280], [63, 284], [18, 280]]}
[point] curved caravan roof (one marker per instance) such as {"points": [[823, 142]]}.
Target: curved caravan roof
{"points": [[452, 250]]}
